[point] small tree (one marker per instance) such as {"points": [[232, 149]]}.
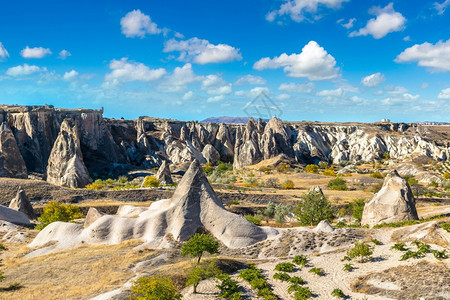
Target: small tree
{"points": [[357, 208], [361, 250], [281, 211], [55, 211], [201, 272], [312, 169], [270, 210], [154, 288], [198, 244], [313, 208], [338, 184], [151, 181]]}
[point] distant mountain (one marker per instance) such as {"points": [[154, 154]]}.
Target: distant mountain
{"points": [[228, 120]]}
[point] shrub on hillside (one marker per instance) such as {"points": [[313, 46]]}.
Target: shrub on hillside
{"points": [[361, 250], [338, 184], [255, 219], [312, 169], [376, 175], [329, 172], [151, 181], [55, 211], [272, 182], [357, 207], [288, 184], [154, 288], [313, 208]]}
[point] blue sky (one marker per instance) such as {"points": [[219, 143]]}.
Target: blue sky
{"points": [[325, 60]]}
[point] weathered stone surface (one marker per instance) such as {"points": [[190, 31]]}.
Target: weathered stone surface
{"points": [[11, 161], [163, 175], [211, 154], [393, 203], [22, 204], [324, 226], [65, 165], [92, 215], [13, 216]]}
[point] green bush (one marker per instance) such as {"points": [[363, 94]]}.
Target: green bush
{"points": [[446, 226], [281, 211], [272, 182], [317, 271], [338, 293], [361, 250], [296, 280], [288, 184], [312, 169], [302, 293], [281, 276], [258, 282], [313, 208], [376, 175], [338, 184], [300, 260], [198, 244], [151, 181], [54, 212], [255, 219], [348, 267], [228, 288], [3, 247], [270, 210], [399, 247], [201, 272], [440, 254], [376, 242], [285, 267], [357, 208], [154, 288]]}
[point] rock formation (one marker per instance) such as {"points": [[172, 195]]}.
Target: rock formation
{"points": [[13, 216], [11, 161], [65, 164], [22, 204], [393, 203], [163, 175], [193, 207], [92, 215], [211, 154]]}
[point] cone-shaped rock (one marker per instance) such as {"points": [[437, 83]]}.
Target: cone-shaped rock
{"points": [[11, 161], [211, 154], [163, 175], [22, 204], [393, 203], [65, 164]]}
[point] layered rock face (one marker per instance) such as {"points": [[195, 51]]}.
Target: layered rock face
{"points": [[22, 204], [11, 161], [193, 207], [112, 146], [65, 164], [393, 203]]}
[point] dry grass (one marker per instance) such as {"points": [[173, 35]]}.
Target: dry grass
{"points": [[72, 274]]}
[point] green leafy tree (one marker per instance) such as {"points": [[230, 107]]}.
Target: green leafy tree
{"points": [[55, 211], [201, 272], [313, 208], [357, 208], [154, 288], [198, 244]]}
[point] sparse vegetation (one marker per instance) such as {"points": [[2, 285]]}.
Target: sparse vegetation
{"points": [[281, 276], [361, 250], [258, 282], [285, 267], [198, 244], [399, 247], [300, 292], [154, 288], [313, 208], [314, 169], [228, 287], [338, 293], [255, 219], [376, 175], [348, 267], [55, 211], [440, 254], [357, 208], [317, 271], [446, 226], [296, 280], [272, 182], [300, 260], [288, 184], [151, 181], [376, 242], [329, 172], [201, 272], [281, 211], [338, 184]]}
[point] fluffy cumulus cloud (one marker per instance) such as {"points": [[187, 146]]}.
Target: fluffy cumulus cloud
{"points": [[373, 80], [250, 80], [300, 10], [64, 54], [68, 76], [3, 52], [179, 79], [137, 24], [215, 98], [444, 94], [254, 92], [125, 71], [332, 93], [297, 87], [313, 62], [215, 85], [24, 70], [436, 57], [202, 51], [35, 52], [387, 20]]}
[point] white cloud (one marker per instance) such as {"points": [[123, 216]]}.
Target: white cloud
{"points": [[215, 85], [347, 25], [440, 7], [180, 78], [373, 80], [313, 63], [400, 99], [433, 56], [254, 92], [189, 95], [137, 24], [396, 90], [444, 94], [24, 70], [64, 54], [297, 87], [407, 38], [283, 97], [251, 80], [331, 93], [215, 98], [70, 75], [387, 20], [36, 52], [202, 51], [124, 71], [300, 10], [3, 52]]}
